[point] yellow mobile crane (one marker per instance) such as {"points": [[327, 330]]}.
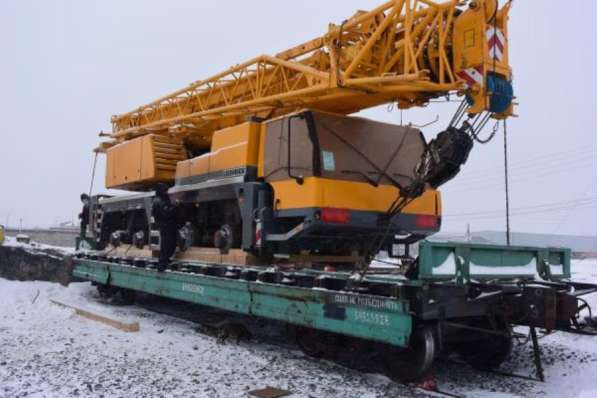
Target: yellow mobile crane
{"points": [[259, 173], [262, 158]]}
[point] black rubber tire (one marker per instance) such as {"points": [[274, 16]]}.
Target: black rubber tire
{"points": [[105, 291], [415, 361], [127, 296], [310, 341], [488, 353]]}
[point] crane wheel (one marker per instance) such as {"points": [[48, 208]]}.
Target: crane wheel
{"points": [[224, 238]]}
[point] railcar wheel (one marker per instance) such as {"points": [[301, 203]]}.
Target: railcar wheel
{"points": [[128, 296], [105, 291], [412, 363], [488, 352], [315, 343]]}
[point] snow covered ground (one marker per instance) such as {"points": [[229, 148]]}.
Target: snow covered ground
{"points": [[36, 247], [48, 351]]}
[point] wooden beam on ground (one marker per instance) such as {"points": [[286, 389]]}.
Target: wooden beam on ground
{"points": [[269, 392], [125, 327]]}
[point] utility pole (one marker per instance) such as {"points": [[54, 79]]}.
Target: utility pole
{"points": [[507, 181]]}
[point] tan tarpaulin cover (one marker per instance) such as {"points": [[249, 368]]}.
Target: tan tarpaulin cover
{"points": [[349, 147]]}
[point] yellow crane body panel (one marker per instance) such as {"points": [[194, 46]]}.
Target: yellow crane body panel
{"points": [[234, 149], [145, 160], [480, 45], [358, 196], [335, 160]]}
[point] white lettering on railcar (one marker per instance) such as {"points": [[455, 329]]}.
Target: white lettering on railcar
{"points": [[370, 302], [372, 318], [189, 287]]}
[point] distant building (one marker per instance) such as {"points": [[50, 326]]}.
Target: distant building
{"points": [[583, 255], [67, 226], [471, 237]]}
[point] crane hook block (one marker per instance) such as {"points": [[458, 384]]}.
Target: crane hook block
{"points": [[444, 157]]}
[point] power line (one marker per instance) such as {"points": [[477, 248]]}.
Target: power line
{"points": [[585, 192], [539, 209], [527, 173], [501, 216], [518, 213], [551, 167], [491, 181], [589, 200], [542, 160], [507, 184], [571, 154]]}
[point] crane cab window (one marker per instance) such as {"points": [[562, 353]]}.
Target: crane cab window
{"points": [[341, 148]]}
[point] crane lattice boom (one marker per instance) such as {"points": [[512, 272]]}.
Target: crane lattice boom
{"points": [[404, 51]]}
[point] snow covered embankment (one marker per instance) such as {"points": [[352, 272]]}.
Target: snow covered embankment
{"points": [[35, 262]]}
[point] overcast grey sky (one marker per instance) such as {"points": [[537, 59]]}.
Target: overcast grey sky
{"points": [[67, 66]]}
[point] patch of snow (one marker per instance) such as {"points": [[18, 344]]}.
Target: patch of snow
{"points": [[34, 246], [48, 351], [519, 270], [556, 269], [357, 276], [588, 394], [447, 268]]}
